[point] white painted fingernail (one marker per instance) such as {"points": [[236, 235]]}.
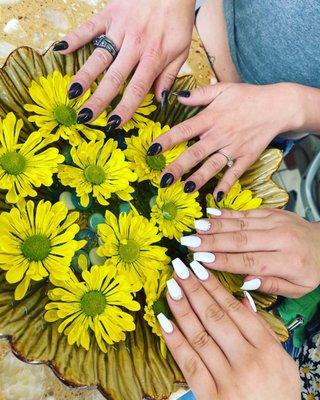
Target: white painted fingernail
{"points": [[251, 301], [253, 284], [199, 270], [190, 241], [202, 225], [204, 257], [214, 211], [174, 289], [165, 323], [180, 268]]}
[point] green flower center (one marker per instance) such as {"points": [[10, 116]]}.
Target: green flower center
{"points": [[169, 210], [13, 163], [93, 303], [129, 251], [36, 247], [157, 163], [65, 115], [161, 306], [95, 174]]}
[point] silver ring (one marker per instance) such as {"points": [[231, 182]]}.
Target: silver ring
{"points": [[230, 160], [105, 43]]}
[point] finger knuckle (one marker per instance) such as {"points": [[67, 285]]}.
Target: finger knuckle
{"points": [[89, 27], [214, 313], [194, 288], [176, 169], [242, 224], [186, 132], [248, 261], [200, 340], [124, 110], [215, 164], [102, 57], [240, 238], [197, 153], [115, 77], [99, 102], [273, 286], [84, 75], [192, 366], [236, 173], [169, 77], [152, 55], [138, 89], [233, 305]]}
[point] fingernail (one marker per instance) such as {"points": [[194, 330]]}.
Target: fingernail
{"points": [[63, 45], [253, 284], [166, 180], [204, 257], [165, 323], [85, 115], [214, 211], [220, 196], [199, 270], [202, 225], [189, 187], [190, 241], [251, 301], [174, 290], [113, 122], [154, 149], [75, 90], [182, 93], [180, 268], [164, 99]]}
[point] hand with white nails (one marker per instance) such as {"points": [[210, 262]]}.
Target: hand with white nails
{"points": [[278, 251], [224, 349]]}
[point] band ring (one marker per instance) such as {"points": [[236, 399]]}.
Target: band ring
{"points": [[230, 160], [107, 44]]}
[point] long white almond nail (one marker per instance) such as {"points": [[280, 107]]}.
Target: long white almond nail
{"points": [[199, 270], [165, 323], [251, 301], [180, 269], [202, 225], [190, 241], [174, 289], [203, 256], [214, 211], [253, 284]]}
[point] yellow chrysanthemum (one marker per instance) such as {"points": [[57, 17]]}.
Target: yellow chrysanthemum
{"points": [[236, 199], [55, 113], [94, 305], [150, 167], [100, 169], [129, 242], [156, 303], [175, 211], [24, 166], [138, 120], [36, 242]]}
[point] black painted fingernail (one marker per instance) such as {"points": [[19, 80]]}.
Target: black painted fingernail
{"points": [[166, 180], [75, 90], [113, 122], [164, 99], [182, 93], [85, 115], [154, 149], [189, 187], [63, 45], [220, 196]]}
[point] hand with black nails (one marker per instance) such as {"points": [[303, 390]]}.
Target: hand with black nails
{"points": [[239, 122], [142, 31]]}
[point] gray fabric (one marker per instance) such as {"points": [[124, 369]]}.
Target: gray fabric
{"points": [[275, 40]]}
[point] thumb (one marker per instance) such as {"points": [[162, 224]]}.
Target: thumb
{"points": [[273, 285], [201, 96]]}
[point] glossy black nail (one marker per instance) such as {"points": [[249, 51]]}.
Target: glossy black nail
{"points": [[84, 116], [166, 180], [63, 45], [75, 90], [113, 122], [164, 99], [189, 187], [154, 149], [182, 93], [220, 196]]}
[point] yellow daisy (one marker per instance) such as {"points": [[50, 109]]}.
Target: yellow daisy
{"points": [[174, 211], [138, 120], [100, 169], [150, 167], [94, 305], [55, 113], [129, 243], [236, 199], [24, 166], [37, 241], [156, 303]]}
